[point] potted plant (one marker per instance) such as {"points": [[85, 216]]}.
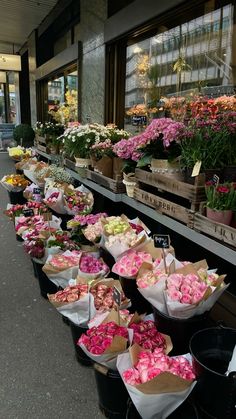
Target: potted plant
{"points": [[24, 135], [221, 202]]}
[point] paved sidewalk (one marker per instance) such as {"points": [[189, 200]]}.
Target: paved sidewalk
{"points": [[39, 375]]}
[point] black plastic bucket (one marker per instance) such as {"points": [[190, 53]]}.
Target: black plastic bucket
{"points": [[112, 393], [187, 410], [215, 393], [180, 330], [139, 303], [81, 356], [46, 286], [19, 238], [34, 268], [16, 197], [19, 172]]}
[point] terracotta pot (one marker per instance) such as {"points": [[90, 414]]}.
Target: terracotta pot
{"points": [[223, 217]]}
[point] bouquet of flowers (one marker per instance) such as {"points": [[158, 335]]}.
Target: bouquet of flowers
{"points": [[102, 292], [14, 183], [79, 224], [78, 201], [73, 302], [129, 265], [24, 226], [157, 383], [105, 342], [184, 293], [60, 268], [37, 208], [91, 267]]}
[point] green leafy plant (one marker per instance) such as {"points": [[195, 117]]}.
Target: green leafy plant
{"points": [[24, 135]]}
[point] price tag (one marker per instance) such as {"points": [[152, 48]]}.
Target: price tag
{"points": [[117, 296], [161, 241], [28, 212], [216, 180], [196, 168], [37, 191]]}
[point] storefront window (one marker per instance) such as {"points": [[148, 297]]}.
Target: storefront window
{"points": [[178, 65], [62, 98], [2, 104]]}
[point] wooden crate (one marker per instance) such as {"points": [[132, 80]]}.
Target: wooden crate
{"points": [[218, 231], [41, 143], [108, 183], [163, 206], [42, 148], [193, 194], [70, 164]]}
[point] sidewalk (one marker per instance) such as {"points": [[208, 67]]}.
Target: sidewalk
{"points": [[39, 375]]}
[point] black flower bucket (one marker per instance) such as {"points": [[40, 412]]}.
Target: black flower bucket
{"points": [[139, 303], [215, 392], [46, 286], [81, 356], [16, 198], [187, 410], [112, 393], [180, 330]]}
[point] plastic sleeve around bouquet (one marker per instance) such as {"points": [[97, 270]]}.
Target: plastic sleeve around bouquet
{"points": [[58, 205], [89, 200], [59, 275], [9, 187], [159, 397], [77, 311], [119, 247]]}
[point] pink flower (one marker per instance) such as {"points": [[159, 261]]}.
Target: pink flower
{"points": [[186, 299], [174, 295]]}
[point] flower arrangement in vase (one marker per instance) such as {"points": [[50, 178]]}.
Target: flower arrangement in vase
{"points": [[221, 202]]}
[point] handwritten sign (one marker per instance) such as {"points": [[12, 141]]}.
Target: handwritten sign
{"points": [[161, 241], [139, 120], [215, 180], [117, 296], [37, 191], [28, 212]]}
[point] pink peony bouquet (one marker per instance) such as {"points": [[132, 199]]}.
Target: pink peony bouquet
{"points": [[157, 383], [129, 265]]}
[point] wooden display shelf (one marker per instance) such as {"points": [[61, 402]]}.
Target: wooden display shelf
{"points": [[218, 231], [70, 164], [111, 184], [193, 194], [164, 206]]}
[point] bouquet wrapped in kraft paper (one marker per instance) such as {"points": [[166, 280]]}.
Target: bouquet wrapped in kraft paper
{"points": [[105, 342], [74, 303], [188, 291], [78, 200], [102, 300], [157, 384], [60, 268], [92, 267]]}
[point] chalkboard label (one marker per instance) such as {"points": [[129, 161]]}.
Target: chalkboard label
{"points": [[139, 120], [37, 191], [117, 296], [161, 241], [28, 212], [215, 180]]}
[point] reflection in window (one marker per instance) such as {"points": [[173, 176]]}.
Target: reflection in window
{"points": [[189, 60], [62, 98], [2, 104]]}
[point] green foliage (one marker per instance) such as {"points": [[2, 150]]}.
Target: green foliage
{"points": [[25, 134], [221, 197]]}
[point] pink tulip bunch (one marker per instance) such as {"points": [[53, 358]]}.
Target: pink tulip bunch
{"points": [[186, 289], [52, 198], [129, 264], [147, 336], [70, 294], [151, 364], [98, 339], [91, 265]]}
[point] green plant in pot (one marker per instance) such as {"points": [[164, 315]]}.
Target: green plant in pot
{"points": [[24, 135], [221, 201]]}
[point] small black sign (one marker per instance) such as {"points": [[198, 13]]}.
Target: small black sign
{"points": [[215, 180], [139, 120], [117, 296], [161, 241], [37, 191], [29, 212]]}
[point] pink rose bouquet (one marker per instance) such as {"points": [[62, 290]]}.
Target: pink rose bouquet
{"points": [[102, 293], [105, 342], [91, 267], [65, 261], [62, 267], [128, 265], [157, 383], [73, 302], [147, 336]]}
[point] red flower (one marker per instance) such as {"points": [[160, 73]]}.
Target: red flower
{"points": [[222, 189], [209, 183]]}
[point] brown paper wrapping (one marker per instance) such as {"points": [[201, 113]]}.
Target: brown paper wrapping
{"points": [[104, 166]]}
